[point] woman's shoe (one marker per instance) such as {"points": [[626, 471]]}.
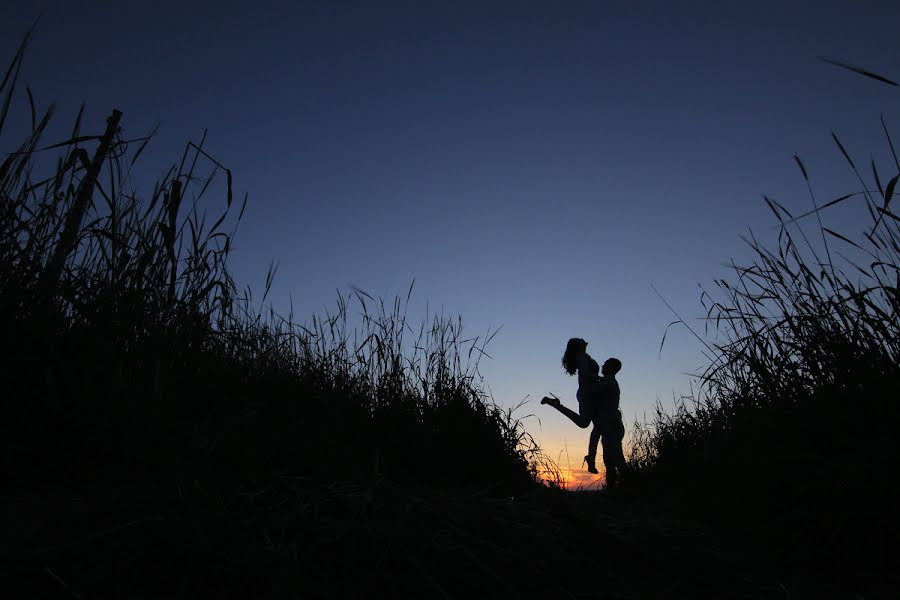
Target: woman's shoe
{"points": [[592, 468], [550, 401]]}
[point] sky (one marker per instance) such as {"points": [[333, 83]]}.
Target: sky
{"points": [[536, 167]]}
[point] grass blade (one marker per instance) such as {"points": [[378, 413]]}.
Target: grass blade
{"points": [[858, 70]]}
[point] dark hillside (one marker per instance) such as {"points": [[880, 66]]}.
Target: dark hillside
{"points": [[791, 437]]}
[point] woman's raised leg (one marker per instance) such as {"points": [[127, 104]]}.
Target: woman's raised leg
{"points": [[582, 418]]}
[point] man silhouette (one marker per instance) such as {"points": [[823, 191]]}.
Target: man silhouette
{"points": [[598, 405]]}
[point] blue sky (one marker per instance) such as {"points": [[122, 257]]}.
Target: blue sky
{"points": [[532, 165]]}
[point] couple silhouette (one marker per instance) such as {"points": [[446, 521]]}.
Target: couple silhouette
{"points": [[598, 405]]}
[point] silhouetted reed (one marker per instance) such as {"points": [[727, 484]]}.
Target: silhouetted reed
{"points": [[790, 428], [262, 456], [794, 325], [128, 344]]}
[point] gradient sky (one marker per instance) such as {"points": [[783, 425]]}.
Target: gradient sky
{"points": [[532, 165]]}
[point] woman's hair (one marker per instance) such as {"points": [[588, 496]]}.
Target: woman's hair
{"points": [[574, 346]]}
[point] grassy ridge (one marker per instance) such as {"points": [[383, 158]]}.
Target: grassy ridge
{"points": [[791, 434], [155, 415], [128, 342]]}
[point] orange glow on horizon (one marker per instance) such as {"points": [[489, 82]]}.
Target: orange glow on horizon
{"points": [[572, 474], [574, 479]]}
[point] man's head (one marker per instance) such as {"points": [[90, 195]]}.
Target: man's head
{"points": [[611, 367]]}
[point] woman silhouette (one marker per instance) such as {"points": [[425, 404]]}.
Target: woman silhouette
{"points": [[598, 404]]}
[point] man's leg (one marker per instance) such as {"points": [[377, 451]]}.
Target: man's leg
{"points": [[613, 456], [609, 459]]}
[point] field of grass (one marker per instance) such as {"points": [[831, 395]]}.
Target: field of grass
{"points": [[165, 435], [791, 435], [144, 393]]}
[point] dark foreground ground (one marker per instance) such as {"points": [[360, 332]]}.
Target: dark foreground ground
{"points": [[295, 538]]}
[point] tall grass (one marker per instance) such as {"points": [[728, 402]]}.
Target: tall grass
{"points": [[129, 350], [173, 436], [791, 428]]}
